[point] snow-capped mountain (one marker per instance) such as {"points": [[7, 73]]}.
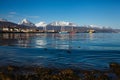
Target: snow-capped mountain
{"points": [[26, 23], [41, 24], [3, 20], [94, 26], [62, 23]]}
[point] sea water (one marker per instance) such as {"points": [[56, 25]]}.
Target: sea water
{"points": [[80, 50]]}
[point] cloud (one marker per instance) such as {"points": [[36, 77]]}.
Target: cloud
{"points": [[10, 16], [13, 13], [33, 16]]}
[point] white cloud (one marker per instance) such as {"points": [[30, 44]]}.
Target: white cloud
{"points": [[10, 16], [33, 16], [12, 13]]}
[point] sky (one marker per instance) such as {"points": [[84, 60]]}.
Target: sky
{"points": [[81, 12]]}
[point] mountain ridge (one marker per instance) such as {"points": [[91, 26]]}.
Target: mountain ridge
{"points": [[57, 27], [26, 23], [62, 23], [41, 24]]}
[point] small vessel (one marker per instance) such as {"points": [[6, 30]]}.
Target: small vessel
{"points": [[63, 31], [72, 31], [91, 31]]}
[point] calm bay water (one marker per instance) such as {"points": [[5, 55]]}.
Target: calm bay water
{"points": [[82, 50]]}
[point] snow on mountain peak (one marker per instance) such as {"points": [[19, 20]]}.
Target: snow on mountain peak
{"points": [[93, 26], [62, 23], [26, 23], [41, 24]]}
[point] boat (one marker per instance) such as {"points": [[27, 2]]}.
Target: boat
{"points": [[72, 31], [63, 31], [91, 31]]}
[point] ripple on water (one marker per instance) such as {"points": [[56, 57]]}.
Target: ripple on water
{"points": [[78, 51]]}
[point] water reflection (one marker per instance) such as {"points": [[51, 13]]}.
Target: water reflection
{"points": [[10, 39], [61, 41], [57, 41], [91, 36], [93, 50]]}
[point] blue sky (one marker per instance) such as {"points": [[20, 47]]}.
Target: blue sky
{"points": [[82, 12]]}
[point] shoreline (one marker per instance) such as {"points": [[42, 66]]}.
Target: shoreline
{"points": [[12, 72]]}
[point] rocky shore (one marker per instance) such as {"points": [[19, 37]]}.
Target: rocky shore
{"points": [[12, 72]]}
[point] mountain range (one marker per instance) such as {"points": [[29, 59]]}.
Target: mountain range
{"points": [[56, 26], [43, 24], [62, 23], [26, 23]]}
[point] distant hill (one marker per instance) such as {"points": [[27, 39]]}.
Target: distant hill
{"points": [[97, 30], [11, 24], [7, 24], [83, 29], [41, 24], [25, 22], [57, 26], [62, 23]]}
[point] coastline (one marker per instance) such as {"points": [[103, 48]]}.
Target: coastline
{"points": [[14, 56], [16, 72]]}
